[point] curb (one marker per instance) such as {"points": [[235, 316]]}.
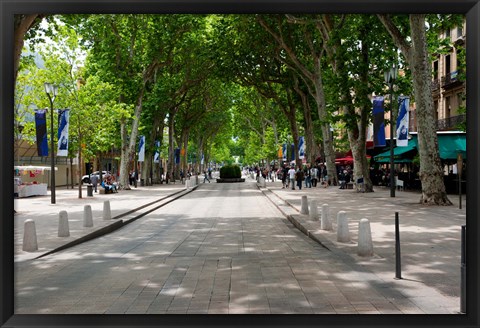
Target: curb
{"points": [[119, 224]]}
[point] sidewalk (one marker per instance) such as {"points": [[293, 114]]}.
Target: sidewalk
{"points": [[430, 236], [46, 215]]}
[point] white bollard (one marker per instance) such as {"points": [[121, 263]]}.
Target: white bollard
{"points": [[29, 236], [304, 206], [107, 214], [343, 234], [63, 229], [264, 182], [325, 223], [187, 184], [313, 210], [365, 245], [87, 216]]}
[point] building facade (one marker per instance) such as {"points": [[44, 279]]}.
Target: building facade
{"points": [[448, 84]]}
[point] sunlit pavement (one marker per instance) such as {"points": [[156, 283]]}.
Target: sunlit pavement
{"points": [[430, 236], [225, 248]]}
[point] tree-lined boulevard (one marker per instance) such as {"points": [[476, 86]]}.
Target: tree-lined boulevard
{"points": [[214, 87], [226, 248], [157, 101]]}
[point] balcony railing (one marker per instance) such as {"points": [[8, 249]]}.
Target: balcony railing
{"points": [[451, 122], [450, 79], [435, 85]]}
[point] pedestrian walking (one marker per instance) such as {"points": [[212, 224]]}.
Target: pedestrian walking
{"points": [[314, 174], [205, 176], [299, 176], [308, 177], [291, 175], [94, 181], [284, 177]]}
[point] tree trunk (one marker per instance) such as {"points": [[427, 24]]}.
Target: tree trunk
{"points": [[125, 158], [171, 145], [357, 135], [129, 149], [309, 135], [326, 133], [23, 23], [431, 173]]}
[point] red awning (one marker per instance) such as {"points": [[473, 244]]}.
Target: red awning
{"points": [[347, 160]]}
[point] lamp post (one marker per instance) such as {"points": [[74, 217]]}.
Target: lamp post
{"points": [[51, 91], [390, 77]]}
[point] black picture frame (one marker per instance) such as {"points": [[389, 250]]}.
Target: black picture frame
{"points": [[10, 7]]}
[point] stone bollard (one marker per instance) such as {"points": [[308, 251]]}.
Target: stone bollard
{"points": [[29, 236], [304, 206], [325, 223], [107, 214], [187, 184], [313, 210], [261, 182], [343, 234], [365, 245], [87, 216], [63, 229]]}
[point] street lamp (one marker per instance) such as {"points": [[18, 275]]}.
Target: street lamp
{"points": [[51, 91], [390, 77]]}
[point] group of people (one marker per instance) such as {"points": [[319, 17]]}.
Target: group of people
{"points": [[312, 175], [109, 184]]}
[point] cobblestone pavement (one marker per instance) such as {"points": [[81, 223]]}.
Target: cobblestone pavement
{"points": [[430, 236], [224, 248]]}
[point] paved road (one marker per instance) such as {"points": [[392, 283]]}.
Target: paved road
{"points": [[224, 248]]}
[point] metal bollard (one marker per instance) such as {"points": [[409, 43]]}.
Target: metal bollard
{"points": [[463, 270], [398, 264]]}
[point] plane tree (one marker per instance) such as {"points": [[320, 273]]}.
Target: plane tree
{"points": [[410, 35]]}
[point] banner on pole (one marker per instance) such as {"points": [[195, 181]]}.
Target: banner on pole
{"points": [[203, 159], [177, 155], [293, 152], [301, 148], [156, 156], [284, 152], [402, 122], [141, 149], [63, 119], [41, 131], [379, 122]]}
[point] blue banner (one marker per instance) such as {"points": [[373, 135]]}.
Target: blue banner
{"points": [[284, 152], [141, 149], [156, 156], [177, 155], [41, 130], [402, 122], [63, 123], [379, 122], [301, 148], [293, 152]]}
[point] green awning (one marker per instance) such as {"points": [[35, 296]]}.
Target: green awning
{"points": [[450, 145], [400, 154]]}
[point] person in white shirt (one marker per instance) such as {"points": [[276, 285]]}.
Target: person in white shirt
{"points": [[314, 174], [291, 174]]}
